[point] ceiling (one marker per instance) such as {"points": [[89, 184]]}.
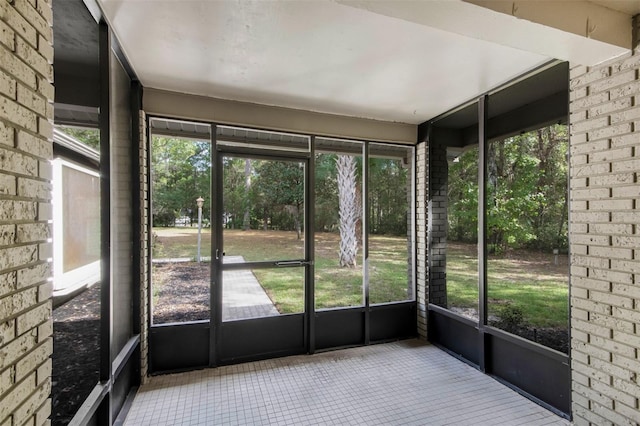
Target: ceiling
{"points": [[348, 58]]}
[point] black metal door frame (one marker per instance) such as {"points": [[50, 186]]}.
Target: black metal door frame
{"points": [[256, 338], [185, 346]]}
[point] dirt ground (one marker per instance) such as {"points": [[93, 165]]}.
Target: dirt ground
{"points": [[76, 353]]}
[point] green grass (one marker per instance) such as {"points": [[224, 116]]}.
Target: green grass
{"points": [[180, 242], [528, 281], [335, 286]]}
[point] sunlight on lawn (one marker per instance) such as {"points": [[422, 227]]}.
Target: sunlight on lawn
{"points": [[335, 286], [526, 280], [285, 288], [180, 242]]}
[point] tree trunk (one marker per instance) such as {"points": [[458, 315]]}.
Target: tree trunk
{"points": [[296, 219], [265, 220], [294, 211], [246, 222], [348, 210]]}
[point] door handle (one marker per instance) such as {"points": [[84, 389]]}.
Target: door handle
{"points": [[285, 263]]}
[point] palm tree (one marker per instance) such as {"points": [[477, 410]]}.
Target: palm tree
{"points": [[349, 210], [246, 222]]}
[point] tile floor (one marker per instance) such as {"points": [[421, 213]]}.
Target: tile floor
{"points": [[403, 383]]}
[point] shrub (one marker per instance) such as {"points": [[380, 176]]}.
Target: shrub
{"points": [[511, 317]]}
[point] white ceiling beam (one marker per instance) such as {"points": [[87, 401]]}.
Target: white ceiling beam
{"points": [[576, 31], [581, 18]]}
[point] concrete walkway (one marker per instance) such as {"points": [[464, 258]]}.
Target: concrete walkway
{"points": [[401, 383], [242, 295]]}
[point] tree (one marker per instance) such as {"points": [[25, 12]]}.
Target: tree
{"points": [[235, 197], [388, 196], [326, 190], [349, 210], [90, 137], [246, 222], [462, 196], [279, 185], [181, 172], [526, 192]]}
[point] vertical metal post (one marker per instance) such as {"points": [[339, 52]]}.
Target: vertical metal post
{"points": [[215, 286], [365, 242], [483, 147], [136, 203], [106, 292], [309, 238]]}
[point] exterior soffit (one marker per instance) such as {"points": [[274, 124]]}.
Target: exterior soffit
{"points": [[576, 30], [583, 18]]}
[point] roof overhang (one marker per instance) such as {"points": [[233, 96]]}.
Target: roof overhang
{"points": [[385, 61]]}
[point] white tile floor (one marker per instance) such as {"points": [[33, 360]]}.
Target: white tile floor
{"points": [[402, 383]]}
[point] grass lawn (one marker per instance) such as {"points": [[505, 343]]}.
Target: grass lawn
{"points": [[180, 242], [529, 281], [335, 286]]}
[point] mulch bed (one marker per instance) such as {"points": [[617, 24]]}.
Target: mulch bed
{"points": [[76, 353], [554, 338], [76, 332], [183, 292]]}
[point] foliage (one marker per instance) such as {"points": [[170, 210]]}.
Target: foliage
{"points": [[279, 187], [388, 196], [511, 317], [463, 198], [236, 199], [180, 174], [269, 194], [526, 192], [326, 192], [90, 137]]}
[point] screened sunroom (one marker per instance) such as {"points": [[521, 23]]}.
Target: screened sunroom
{"points": [[369, 196]]}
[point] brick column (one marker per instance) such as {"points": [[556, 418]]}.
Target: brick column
{"points": [[26, 115], [437, 241], [605, 241], [422, 181], [144, 252]]}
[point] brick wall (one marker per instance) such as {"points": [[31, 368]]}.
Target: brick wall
{"points": [[605, 241], [144, 252], [411, 262], [422, 295], [26, 114], [437, 242]]}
